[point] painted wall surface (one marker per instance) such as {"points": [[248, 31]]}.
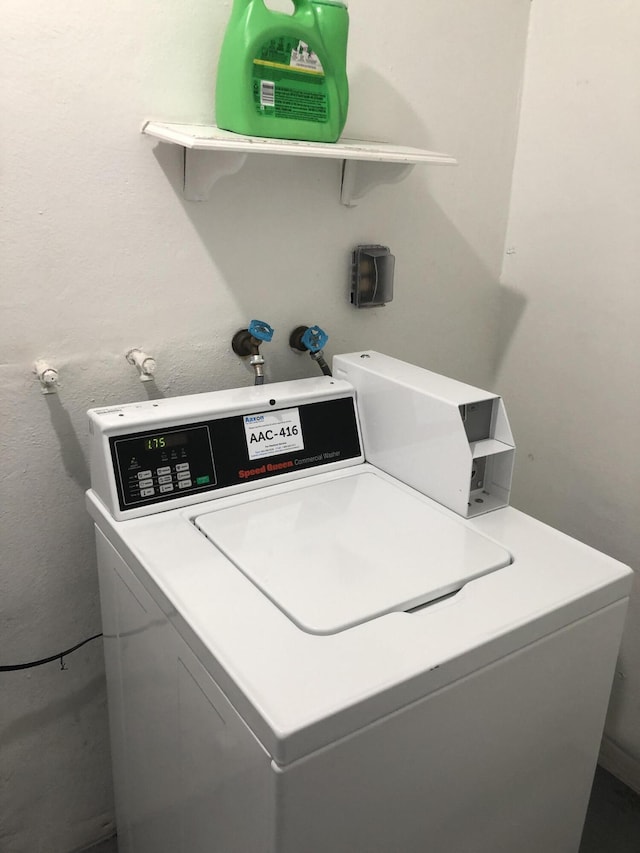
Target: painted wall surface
{"points": [[101, 254], [570, 364]]}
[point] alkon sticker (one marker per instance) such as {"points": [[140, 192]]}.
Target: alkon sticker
{"points": [[289, 81], [273, 433]]}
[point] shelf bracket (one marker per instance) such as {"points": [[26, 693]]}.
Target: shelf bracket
{"points": [[203, 168], [360, 176]]}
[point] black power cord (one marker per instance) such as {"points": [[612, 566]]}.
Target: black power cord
{"points": [[60, 656]]}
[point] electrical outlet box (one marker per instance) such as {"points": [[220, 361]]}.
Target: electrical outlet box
{"points": [[448, 440], [372, 269]]}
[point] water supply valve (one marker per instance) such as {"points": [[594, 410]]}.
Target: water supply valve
{"points": [[260, 330], [311, 339], [47, 376], [246, 342], [145, 364]]}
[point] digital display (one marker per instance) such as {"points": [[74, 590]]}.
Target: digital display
{"points": [[172, 439]]}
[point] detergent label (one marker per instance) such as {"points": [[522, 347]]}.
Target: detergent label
{"points": [[289, 81]]}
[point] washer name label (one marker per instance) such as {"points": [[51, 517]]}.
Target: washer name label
{"points": [[269, 468], [273, 433]]}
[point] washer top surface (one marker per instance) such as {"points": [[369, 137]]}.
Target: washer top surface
{"points": [[335, 554], [299, 691]]}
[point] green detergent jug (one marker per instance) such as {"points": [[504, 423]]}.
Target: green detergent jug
{"points": [[284, 76]]}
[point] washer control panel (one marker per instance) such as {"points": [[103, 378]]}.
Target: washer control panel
{"points": [[185, 459], [162, 464]]}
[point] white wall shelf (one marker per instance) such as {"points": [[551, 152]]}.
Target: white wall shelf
{"points": [[211, 153]]}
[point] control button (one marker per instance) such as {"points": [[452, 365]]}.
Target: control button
{"points": [[184, 475], [182, 466], [145, 484], [146, 493], [165, 470], [202, 481], [165, 479], [166, 487], [144, 475], [184, 484]]}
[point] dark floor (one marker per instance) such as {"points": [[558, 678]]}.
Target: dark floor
{"points": [[110, 846], [612, 825], [613, 818]]}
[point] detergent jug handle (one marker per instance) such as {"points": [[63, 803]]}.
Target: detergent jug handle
{"points": [[299, 5], [239, 6]]}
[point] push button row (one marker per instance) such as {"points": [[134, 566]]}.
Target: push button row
{"points": [[182, 468], [165, 480]]}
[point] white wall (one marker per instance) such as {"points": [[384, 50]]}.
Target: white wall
{"points": [[101, 253], [570, 362]]}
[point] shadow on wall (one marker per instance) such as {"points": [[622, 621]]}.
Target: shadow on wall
{"points": [[152, 391], [511, 309], [259, 222], [71, 453], [373, 103], [282, 241]]}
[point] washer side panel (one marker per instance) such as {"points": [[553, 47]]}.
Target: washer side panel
{"points": [[187, 770], [502, 760]]}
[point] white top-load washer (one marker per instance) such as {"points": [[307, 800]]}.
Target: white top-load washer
{"points": [[306, 653]]}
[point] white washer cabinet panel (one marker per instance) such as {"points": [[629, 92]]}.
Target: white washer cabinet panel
{"points": [[192, 778]]}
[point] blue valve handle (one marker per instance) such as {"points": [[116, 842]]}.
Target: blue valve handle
{"points": [[315, 339], [260, 330]]}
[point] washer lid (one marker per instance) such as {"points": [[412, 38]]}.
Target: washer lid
{"points": [[335, 554]]}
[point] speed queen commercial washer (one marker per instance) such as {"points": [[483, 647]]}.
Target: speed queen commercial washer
{"points": [[307, 653]]}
